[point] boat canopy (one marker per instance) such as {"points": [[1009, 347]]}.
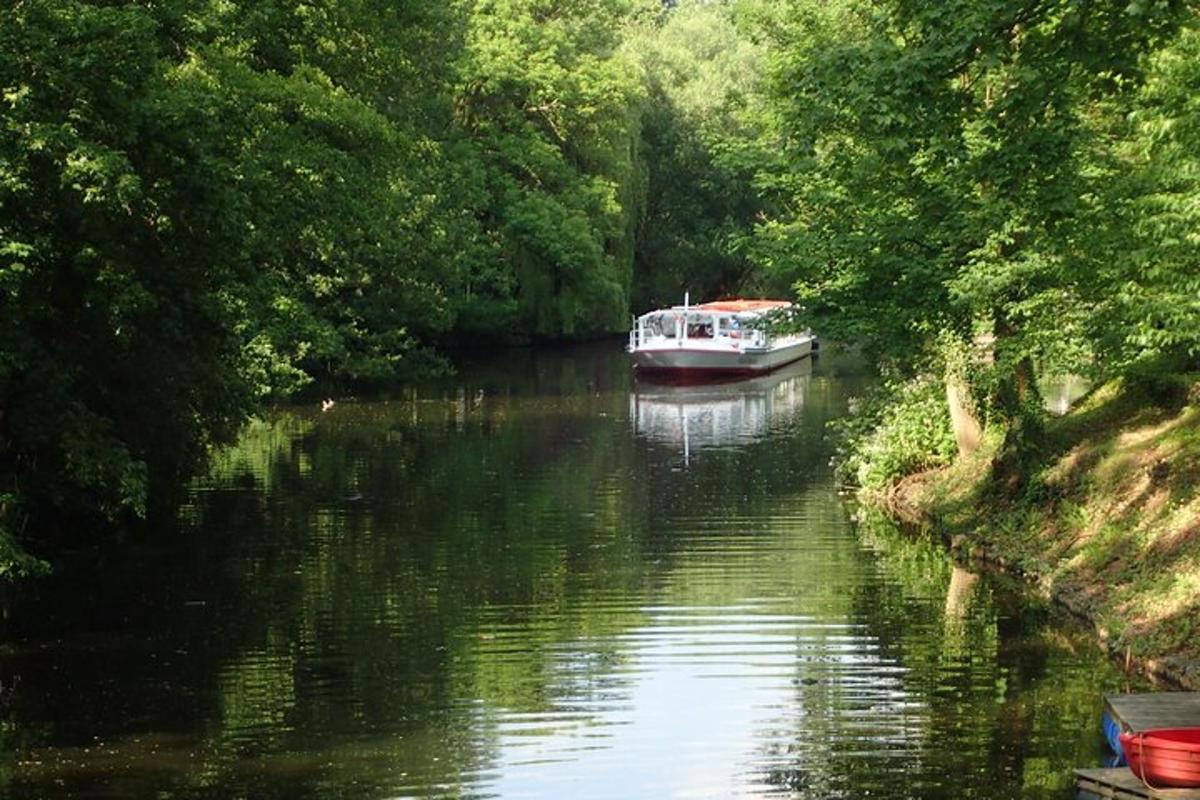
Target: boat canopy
{"points": [[748, 308], [742, 306]]}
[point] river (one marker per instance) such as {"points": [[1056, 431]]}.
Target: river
{"points": [[540, 579]]}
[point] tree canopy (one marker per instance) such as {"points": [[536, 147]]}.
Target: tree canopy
{"points": [[1010, 166], [205, 206]]}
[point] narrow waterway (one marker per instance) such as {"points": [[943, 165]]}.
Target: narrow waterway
{"points": [[540, 579]]}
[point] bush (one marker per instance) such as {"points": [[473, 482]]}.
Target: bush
{"points": [[898, 429]]}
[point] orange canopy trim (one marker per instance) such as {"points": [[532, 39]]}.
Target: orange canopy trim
{"points": [[738, 306]]}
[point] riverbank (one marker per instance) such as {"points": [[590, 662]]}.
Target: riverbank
{"points": [[1106, 523]]}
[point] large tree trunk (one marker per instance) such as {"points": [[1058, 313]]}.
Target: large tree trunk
{"points": [[964, 413], [968, 430], [1018, 400]]}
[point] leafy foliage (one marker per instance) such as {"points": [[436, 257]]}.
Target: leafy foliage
{"points": [[546, 111], [1012, 171], [941, 156], [702, 145], [1140, 248], [899, 428], [205, 205], [117, 362]]}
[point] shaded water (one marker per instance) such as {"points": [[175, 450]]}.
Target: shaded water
{"points": [[540, 580]]}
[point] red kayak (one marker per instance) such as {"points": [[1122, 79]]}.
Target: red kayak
{"points": [[1164, 756]]}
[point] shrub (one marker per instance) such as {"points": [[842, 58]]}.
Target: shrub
{"points": [[898, 429]]}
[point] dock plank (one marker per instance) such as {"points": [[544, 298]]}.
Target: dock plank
{"points": [[1121, 784], [1140, 712]]}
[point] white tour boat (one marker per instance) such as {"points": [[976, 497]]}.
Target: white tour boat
{"points": [[723, 339]]}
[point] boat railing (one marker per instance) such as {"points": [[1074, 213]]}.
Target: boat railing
{"points": [[742, 338], [749, 338]]}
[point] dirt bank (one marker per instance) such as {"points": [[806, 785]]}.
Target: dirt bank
{"points": [[1107, 523]]}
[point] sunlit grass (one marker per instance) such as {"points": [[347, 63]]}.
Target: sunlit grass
{"points": [[1109, 523]]}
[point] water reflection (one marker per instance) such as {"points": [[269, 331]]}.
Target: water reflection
{"points": [[692, 417], [505, 587], [1060, 392]]}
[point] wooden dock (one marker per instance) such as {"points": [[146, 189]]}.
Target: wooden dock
{"points": [[1140, 712], [1119, 783]]}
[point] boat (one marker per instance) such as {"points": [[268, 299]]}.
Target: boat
{"points": [[1164, 757], [711, 341]]}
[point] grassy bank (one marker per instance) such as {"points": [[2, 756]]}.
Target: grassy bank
{"points": [[1106, 521]]}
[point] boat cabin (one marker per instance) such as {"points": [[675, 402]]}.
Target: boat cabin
{"points": [[731, 323]]}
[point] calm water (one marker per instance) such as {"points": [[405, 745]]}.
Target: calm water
{"points": [[540, 580]]}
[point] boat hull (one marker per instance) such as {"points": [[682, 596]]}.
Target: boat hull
{"points": [[1165, 756], [701, 363]]}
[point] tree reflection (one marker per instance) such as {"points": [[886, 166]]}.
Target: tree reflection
{"points": [[976, 705], [447, 592]]}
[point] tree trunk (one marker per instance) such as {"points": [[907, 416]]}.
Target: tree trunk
{"points": [[964, 415], [1017, 399], [968, 430]]}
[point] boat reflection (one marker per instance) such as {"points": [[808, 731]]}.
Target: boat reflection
{"points": [[710, 415]]}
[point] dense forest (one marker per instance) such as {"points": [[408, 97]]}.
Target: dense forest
{"points": [[208, 206]]}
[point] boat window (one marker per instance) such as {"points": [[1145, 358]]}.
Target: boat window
{"points": [[699, 326], [660, 325]]}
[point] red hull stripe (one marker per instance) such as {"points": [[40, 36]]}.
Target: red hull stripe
{"points": [[688, 350], [709, 373]]}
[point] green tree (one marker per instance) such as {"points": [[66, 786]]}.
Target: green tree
{"points": [[1136, 239], [938, 160], [201, 205], [117, 360], [547, 111], [700, 142]]}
